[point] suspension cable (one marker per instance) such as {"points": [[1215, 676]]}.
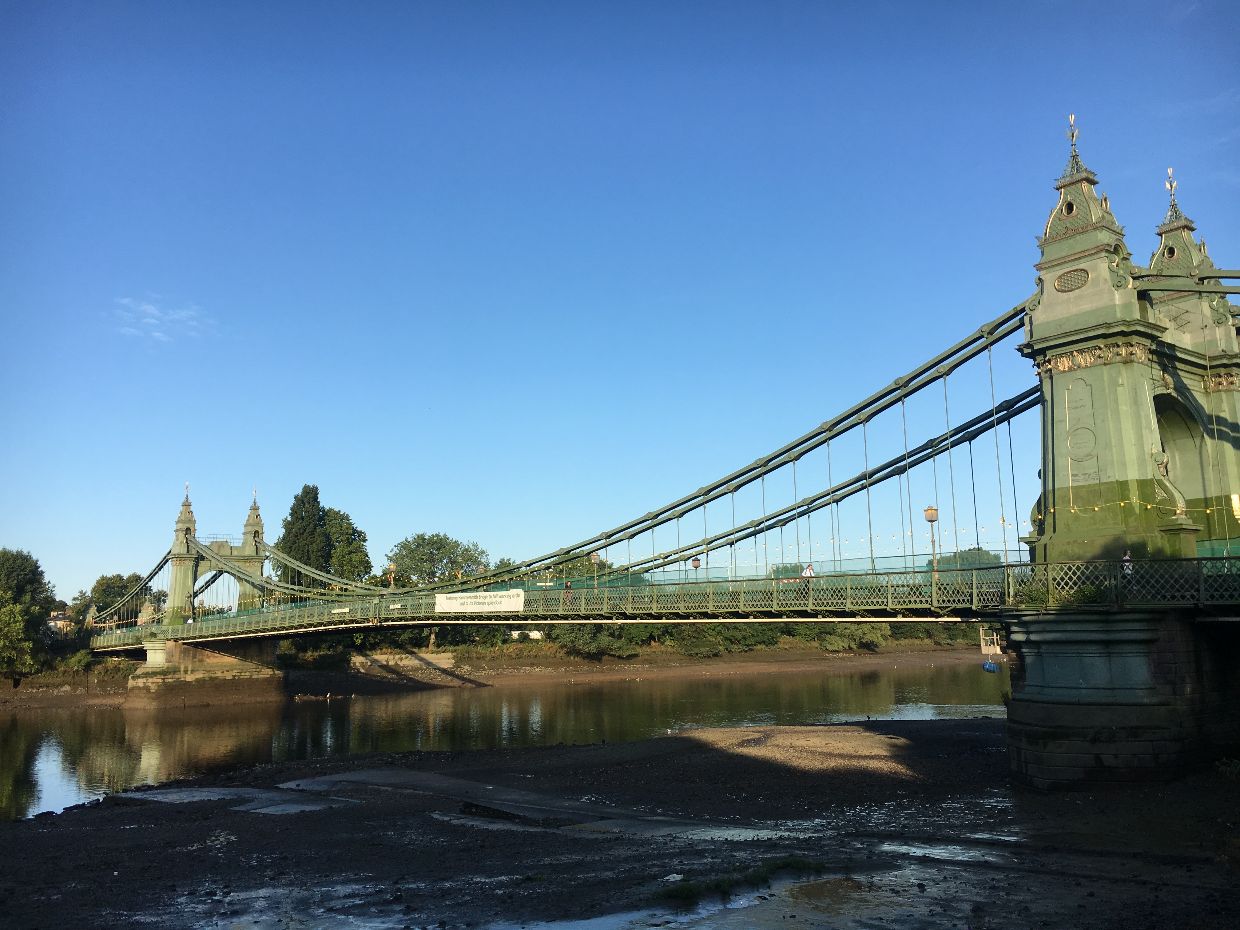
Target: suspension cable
{"points": [[921, 377], [977, 535], [732, 547], [796, 497], [951, 470], [990, 365], [766, 549], [908, 486], [869, 517], [834, 514], [1012, 472], [964, 433]]}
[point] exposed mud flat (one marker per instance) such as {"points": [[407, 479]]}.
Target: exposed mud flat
{"points": [[884, 824]]}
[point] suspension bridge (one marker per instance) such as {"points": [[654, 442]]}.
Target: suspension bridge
{"points": [[1102, 531]]}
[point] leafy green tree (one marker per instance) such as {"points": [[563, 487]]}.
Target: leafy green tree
{"points": [[26, 601], [349, 558], [425, 558], [18, 636], [592, 641], [108, 590], [841, 637], [323, 538], [305, 537], [21, 576], [78, 607], [975, 557], [787, 570]]}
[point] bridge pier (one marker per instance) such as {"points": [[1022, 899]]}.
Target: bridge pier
{"points": [[1125, 697], [186, 675]]}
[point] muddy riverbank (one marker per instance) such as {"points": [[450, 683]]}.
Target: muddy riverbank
{"points": [[897, 823]]}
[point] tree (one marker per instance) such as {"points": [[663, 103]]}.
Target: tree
{"points": [[108, 590], [349, 558], [787, 570], [26, 600], [425, 558], [78, 607], [305, 536], [21, 576], [976, 557], [17, 638]]}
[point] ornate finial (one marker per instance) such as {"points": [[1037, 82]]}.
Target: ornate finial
{"points": [[1075, 166], [187, 492], [255, 501], [1174, 213]]}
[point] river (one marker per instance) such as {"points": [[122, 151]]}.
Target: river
{"points": [[51, 759]]}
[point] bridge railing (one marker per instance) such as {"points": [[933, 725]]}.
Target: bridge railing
{"points": [[1060, 586]]}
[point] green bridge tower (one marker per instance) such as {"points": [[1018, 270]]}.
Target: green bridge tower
{"points": [[186, 561], [1140, 389], [1140, 378]]}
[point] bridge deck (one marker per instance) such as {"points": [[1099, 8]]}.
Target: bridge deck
{"points": [[950, 595]]}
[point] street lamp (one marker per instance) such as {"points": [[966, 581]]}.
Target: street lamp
{"points": [[696, 563], [594, 557], [932, 517]]}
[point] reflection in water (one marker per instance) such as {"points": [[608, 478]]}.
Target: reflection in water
{"points": [[51, 759]]}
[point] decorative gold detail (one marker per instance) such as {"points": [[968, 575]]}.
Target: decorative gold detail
{"points": [[1116, 352], [1072, 280], [1225, 381]]}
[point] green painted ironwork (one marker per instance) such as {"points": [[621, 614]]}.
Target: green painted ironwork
{"points": [[948, 595]]}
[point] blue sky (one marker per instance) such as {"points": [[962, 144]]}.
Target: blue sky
{"points": [[520, 271]]}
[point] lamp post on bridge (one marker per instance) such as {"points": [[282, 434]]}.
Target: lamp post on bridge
{"points": [[594, 558], [696, 563], [932, 517]]}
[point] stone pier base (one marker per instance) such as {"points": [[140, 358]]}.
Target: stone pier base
{"points": [[1120, 697], [183, 675]]}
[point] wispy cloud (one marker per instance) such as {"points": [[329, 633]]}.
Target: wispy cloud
{"points": [[153, 320], [1183, 11]]}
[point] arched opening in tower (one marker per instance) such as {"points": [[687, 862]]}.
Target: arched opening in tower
{"points": [[1184, 444]]}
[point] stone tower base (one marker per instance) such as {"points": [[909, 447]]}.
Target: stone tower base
{"points": [[1120, 697], [182, 675]]}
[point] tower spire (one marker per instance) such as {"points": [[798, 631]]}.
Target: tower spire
{"points": [[185, 519], [1174, 213], [1075, 169]]}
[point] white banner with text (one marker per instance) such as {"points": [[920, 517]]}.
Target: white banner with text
{"points": [[480, 602]]}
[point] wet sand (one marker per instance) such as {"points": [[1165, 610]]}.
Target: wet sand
{"points": [[902, 824]]}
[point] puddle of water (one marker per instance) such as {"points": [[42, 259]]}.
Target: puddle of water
{"points": [[278, 909], [945, 851], [254, 800], [629, 920], [830, 895], [706, 915]]}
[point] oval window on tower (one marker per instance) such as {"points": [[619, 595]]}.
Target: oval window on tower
{"points": [[1071, 280]]}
